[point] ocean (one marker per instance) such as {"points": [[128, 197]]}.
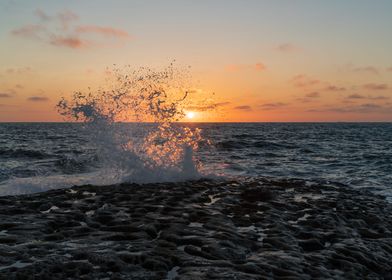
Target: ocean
{"points": [[36, 157]]}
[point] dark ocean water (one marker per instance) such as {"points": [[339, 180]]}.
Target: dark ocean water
{"points": [[39, 156]]}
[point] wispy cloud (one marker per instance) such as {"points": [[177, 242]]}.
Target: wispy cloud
{"points": [[369, 97], [32, 31], [309, 97], [66, 18], [70, 42], [334, 88], [38, 99], [379, 97], [260, 66], [363, 69], [373, 86], [208, 107], [313, 94], [303, 80], [61, 30], [42, 15], [5, 95], [363, 109], [106, 31], [272, 106], [286, 48], [243, 108], [366, 69], [356, 96], [19, 70]]}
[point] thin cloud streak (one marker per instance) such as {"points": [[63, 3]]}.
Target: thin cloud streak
{"points": [[38, 99], [203, 108], [286, 48], [313, 94], [303, 80], [243, 108], [106, 31], [70, 42], [272, 106], [334, 88], [372, 86], [5, 95], [356, 96], [366, 69], [363, 109]]}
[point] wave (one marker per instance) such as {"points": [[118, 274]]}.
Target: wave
{"points": [[242, 144], [153, 148], [22, 153]]}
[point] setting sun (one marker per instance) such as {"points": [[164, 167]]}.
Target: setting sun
{"points": [[190, 115]]}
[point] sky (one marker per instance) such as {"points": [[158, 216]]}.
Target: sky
{"points": [[254, 60]]}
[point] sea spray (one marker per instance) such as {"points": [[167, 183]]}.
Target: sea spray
{"points": [[153, 147]]}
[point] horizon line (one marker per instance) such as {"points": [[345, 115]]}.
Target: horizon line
{"points": [[205, 122]]}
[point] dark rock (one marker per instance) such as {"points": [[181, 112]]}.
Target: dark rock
{"points": [[258, 229], [311, 245], [257, 194]]}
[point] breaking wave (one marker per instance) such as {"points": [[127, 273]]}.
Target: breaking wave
{"points": [[154, 147]]}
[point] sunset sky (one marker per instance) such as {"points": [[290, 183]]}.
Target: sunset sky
{"points": [[257, 60]]}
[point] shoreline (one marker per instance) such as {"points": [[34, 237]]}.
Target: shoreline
{"points": [[250, 229]]}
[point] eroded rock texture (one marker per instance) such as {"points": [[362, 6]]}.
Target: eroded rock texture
{"points": [[251, 229]]}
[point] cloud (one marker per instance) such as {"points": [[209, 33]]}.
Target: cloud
{"points": [[302, 80], [380, 97], [370, 106], [5, 95], [309, 97], [372, 86], [243, 108], [38, 99], [389, 69], [32, 31], [66, 18], [259, 67], [60, 31], [313, 94], [70, 42], [42, 15], [272, 106], [356, 96], [208, 107], [363, 109], [334, 88], [286, 48], [106, 31], [366, 69], [19, 70]]}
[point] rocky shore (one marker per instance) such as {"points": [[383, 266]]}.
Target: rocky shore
{"points": [[251, 229]]}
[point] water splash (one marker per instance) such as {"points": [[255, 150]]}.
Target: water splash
{"points": [[154, 147]]}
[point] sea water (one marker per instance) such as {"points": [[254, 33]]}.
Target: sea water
{"points": [[40, 156]]}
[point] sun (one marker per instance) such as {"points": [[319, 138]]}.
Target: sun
{"points": [[190, 115]]}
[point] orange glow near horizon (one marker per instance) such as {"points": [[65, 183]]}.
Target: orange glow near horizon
{"points": [[280, 68]]}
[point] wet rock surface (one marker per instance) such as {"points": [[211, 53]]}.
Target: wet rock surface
{"points": [[251, 229]]}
